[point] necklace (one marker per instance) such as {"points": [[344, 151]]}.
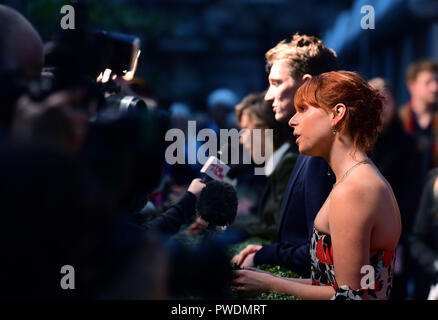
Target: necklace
{"points": [[348, 171]]}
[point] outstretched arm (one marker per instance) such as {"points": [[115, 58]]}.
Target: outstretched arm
{"points": [[250, 283], [351, 223], [182, 212]]}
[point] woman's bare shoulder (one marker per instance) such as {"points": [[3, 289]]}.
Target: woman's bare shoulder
{"points": [[366, 183], [365, 204], [362, 194]]}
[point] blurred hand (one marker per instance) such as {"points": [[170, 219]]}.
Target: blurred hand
{"points": [[196, 186], [249, 261], [71, 134], [244, 207], [198, 227], [245, 258], [251, 282], [176, 192]]}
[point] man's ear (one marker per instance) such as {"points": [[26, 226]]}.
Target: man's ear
{"points": [[306, 77]]}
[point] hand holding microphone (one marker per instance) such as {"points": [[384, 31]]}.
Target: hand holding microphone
{"points": [[217, 198], [216, 206], [196, 187]]}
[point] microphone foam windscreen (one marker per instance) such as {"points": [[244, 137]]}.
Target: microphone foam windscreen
{"points": [[217, 203]]}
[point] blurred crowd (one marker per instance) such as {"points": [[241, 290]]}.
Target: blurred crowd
{"points": [[95, 193]]}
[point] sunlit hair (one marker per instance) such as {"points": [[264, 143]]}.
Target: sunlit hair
{"points": [[363, 104], [304, 54], [380, 84]]}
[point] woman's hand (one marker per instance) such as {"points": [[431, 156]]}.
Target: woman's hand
{"points": [[251, 282], [245, 257]]}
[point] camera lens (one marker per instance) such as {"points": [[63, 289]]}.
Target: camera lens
{"points": [[125, 103], [129, 103]]}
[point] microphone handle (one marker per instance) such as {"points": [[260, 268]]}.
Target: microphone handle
{"points": [[206, 178]]}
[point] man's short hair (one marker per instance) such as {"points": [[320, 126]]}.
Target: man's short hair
{"points": [[305, 55], [419, 66]]}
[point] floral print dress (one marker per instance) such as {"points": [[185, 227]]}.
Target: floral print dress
{"points": [[323, 273]]}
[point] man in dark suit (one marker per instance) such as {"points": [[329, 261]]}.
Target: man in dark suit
{"points": [[290, 64]]}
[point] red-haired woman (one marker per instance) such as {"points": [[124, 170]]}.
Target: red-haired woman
{"points": [[357, 229]]}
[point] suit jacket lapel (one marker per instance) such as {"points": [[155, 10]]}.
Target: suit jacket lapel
{"points": [[287, 195]]}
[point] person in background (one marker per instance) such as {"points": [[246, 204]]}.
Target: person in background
{"points": [[253, 112], [21, 59], [424, 238], [396, 157], [220, 105], [420, 115], [183, 173]]}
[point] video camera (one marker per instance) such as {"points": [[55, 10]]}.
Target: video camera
{"points": [[125, 140], [90, 58]]}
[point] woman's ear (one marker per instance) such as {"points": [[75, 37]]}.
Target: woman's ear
{"points": [[339, 111]]}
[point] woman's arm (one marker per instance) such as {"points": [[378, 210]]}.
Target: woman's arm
{"points": [[302, 289], [350, 224], [249, 282], [303, 281]]}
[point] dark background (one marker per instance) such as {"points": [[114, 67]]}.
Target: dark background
{"points": [[191, 47]]}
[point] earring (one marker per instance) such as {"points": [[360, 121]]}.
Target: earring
{"points": [[334, 131]]}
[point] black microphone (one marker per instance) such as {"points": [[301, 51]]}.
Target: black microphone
{"points": [[217, 203]]}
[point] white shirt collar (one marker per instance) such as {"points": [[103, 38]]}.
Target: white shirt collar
{"points": [[274, 160]]}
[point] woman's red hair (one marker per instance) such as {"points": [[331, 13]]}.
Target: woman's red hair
{"points": [[363, 103]]}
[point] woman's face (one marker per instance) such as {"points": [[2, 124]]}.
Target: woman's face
{"points": [[254, 144], [313, 130]]}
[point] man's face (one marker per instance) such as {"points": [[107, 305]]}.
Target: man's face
{"points": [[281, 92], [425, 87]]}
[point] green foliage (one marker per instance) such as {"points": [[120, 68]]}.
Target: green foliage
{"points": [[110, 15], [45, 15], [189, 240], [184, 237], [275, 270], [242, 245], [280, 272]]}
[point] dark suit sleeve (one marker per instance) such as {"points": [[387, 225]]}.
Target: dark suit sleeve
{"points": [[281, 181], [293, 257], [171, 220], [311, 191]]}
